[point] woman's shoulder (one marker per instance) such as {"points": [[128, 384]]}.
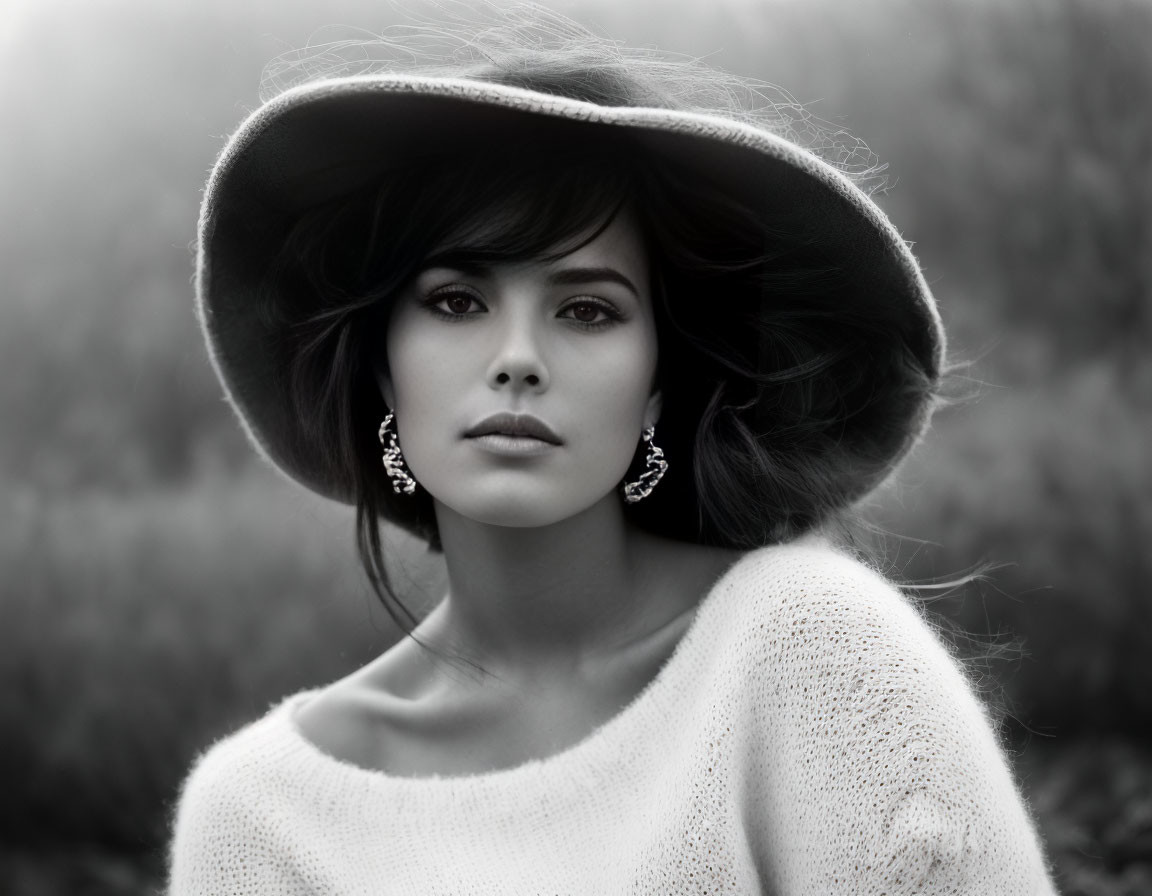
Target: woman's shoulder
{"points": [[837, 647], [243, 762], [873, 722], [814, 604], [813, 578], [236, 811]]}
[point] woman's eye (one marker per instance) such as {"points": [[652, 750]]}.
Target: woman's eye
{"points": [[454, 303], [458, 303], [589, 313]]}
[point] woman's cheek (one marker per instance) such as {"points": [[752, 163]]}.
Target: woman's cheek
{"points": [[423, 364]]}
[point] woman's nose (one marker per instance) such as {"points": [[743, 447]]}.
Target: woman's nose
{"points": [[518, 362]]}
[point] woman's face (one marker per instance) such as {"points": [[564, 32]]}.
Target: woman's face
{"points": [[521, 389]]}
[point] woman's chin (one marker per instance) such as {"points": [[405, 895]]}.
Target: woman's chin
{"points": [[513, 514], [529, 509]]}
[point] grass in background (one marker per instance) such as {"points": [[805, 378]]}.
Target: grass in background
{"points": [[139, 628], [1092, 798]]}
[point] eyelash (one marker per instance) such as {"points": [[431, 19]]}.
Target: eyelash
{"points": [[611, 314], [433, 300]]}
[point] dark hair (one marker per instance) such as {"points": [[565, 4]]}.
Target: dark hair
{"points": [[775, 410]]}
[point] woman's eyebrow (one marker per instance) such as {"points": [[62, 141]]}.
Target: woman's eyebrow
{"points": [[592, 275], [567, 276]]}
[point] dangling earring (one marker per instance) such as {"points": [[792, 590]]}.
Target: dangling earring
{"points": [[654, 468], [402, 482]]}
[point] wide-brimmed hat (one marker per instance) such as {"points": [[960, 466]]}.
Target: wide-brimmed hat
{"points": [[329, 138]]}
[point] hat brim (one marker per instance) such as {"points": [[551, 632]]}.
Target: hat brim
{"points": [[328, 138]]}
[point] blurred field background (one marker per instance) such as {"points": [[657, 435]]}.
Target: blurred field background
{"points": [[161, 588]]}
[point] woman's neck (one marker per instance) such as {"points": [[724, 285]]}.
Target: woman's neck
{"points": [[532, 603]]}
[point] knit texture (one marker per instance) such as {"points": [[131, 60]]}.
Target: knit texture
{"points": [[809, 735]]}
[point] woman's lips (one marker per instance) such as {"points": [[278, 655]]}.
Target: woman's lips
{"points": [[515, 435], [517, 446], [509, 429]]}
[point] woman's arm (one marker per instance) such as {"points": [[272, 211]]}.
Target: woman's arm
{"points": [[883, 762]]}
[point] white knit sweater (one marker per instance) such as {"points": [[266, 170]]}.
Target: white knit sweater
{"points": [[809, 735]]}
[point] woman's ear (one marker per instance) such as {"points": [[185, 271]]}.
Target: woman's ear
{"points": [[652, 411]]}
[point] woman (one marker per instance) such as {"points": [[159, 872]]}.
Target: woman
{"points": [[621, 360]]}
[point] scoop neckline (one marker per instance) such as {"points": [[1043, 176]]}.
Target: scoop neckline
{"points": [[600, 737]]}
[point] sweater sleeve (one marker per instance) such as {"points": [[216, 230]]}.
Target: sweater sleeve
{"points": [[883, 763], [224, 839]]}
